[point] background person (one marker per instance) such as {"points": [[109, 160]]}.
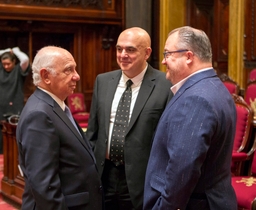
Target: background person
{"points": [[12, 77], [123, 184], [55, 157], [190, 161]]}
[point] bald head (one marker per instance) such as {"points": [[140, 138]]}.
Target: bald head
{"points": [[133, 49], [138, 34]]}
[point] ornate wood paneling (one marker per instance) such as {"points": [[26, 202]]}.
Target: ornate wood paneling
{"points": [[12, 182], [63, 10], [87, 28], [220, 35], [250, 35], [212, 16], [200, 15]]}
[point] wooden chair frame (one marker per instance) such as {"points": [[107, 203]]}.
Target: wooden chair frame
{"points": [[227, 80], [245, 143]]}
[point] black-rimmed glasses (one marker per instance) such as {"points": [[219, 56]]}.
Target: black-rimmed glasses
{"points": [[168, 53]]}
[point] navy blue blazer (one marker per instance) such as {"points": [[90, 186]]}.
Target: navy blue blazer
{"points": [[58, 164], [190, 160]]}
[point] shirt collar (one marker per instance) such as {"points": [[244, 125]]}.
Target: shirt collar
{"points": [[177, 86], [55, 98], [137, 79]]}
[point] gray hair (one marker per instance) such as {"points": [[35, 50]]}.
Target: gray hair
{"points": [[43, 60], [194, 40]]}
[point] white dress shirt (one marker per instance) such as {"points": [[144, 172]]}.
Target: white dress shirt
{"points": [[119, 91]]}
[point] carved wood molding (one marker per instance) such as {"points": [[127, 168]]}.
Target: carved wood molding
{"points": [[108, 37], [79, 11], [205, 6], [253, 30], [57, 3]]}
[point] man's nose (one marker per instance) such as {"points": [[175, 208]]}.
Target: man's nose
{"points": [[76, 76]]}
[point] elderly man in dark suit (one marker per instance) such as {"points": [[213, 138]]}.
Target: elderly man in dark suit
{"points": [[57, 161], [189, 164], [123, 180]]}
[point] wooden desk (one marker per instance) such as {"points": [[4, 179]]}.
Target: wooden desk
{"points": [[12, 181]]}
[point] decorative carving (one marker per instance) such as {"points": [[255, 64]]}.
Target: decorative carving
{"points": [[253, 31], [107, 37], [250, 64], [57, 3], [205, 6], [23, 25], [253, 105]]}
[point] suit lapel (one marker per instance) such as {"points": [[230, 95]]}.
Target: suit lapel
{"points": [[110, 92], [145, 91], [56, 109], [69, 124], [190, 82]]}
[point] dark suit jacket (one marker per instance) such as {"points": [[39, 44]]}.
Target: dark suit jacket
{"points": [[190, 161], [150, 103], [58, 164]]}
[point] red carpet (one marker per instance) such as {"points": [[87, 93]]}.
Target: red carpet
{"points": [[3, 204]]}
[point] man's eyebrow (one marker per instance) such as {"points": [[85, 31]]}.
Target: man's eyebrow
{"points": [[126, 46]]}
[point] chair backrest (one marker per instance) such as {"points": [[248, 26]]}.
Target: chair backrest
{"points": [[250, 95], [76, 103], [230, 84], [244, 124], [252, 75], [252, 169]]}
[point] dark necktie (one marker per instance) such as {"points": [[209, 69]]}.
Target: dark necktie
{"points": [[120, 125]]}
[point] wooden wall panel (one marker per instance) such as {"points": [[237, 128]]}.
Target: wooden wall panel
{"points": [[63, 10], [88, 29], [212, 16], [250, 36], [200, 15], [220, 36], [98, 55]]}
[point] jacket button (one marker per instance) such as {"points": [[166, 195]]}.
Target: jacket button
{"points": [[100, 188], [102, 163], [106, 141]]}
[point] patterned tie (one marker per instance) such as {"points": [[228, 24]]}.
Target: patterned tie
{"points": [[120, 125]]}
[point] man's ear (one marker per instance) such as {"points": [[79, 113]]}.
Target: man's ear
{"points": [[45, 76], [148, 52], [190, 57]]}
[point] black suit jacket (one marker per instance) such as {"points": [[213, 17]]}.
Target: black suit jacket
{"points": [[153, 96], [57, 162]]}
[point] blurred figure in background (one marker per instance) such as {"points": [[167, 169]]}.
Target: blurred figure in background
{"points": [[14, 67]]}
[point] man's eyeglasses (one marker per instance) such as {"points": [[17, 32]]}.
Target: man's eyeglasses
{"points": [[168, 53]]}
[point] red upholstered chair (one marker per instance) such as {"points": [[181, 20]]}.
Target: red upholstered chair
{"points": [[252, 75], [230, 84], [244, 126], [250, 95], [245, 186], [77, 107]]}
